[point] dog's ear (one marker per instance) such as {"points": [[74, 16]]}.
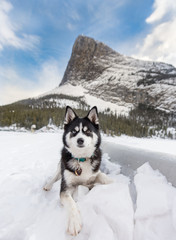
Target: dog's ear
{"points": [[93, 116], [70, 115]]}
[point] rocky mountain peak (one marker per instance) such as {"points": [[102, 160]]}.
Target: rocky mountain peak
{"points": [[90, 48], [85, 52], [123, 81]]}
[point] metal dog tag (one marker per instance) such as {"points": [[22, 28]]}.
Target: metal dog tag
{"points": [[78, 171]]}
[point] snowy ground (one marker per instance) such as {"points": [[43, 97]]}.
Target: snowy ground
{"points": [[151, 144], [29, 213]]}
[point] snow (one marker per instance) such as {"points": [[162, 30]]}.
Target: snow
{"points": [[152, 144], [103, 105], [68, 89], [29, 213], [155, 212], [90, 100], [13, 127], [64, 102]]}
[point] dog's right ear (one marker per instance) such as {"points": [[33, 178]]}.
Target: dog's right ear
{"points": [[70, 115], [93, 116]]}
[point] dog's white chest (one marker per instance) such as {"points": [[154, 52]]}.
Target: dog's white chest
{"points": [[86, 177]]}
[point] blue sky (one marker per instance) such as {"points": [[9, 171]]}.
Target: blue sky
{"points": [[36, 37]]}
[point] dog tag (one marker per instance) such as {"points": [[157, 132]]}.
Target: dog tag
{"points": [[78, 171]]}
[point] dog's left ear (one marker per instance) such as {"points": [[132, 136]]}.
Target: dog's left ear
{"points": [[93, 116]]}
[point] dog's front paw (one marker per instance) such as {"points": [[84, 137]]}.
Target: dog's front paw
{"points": [[103, 179], [47, 187], [74, 223], [109, 180]]}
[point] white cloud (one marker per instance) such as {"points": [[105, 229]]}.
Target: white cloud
{"points": [[49, 75], [14, 87], [9, 31], [160, 43], [71, 26], [161, 9]]}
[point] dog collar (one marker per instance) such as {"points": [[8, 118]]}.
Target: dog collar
{"points": [[80, 159]]}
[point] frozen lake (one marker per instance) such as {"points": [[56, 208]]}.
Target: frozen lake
{"points": [[131, 158]]}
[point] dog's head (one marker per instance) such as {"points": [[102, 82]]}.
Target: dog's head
{"points": [[81, 136]]}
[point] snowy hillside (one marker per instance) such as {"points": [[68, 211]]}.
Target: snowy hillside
{"points": [[118, 79], [87, 98], [29, 213]]}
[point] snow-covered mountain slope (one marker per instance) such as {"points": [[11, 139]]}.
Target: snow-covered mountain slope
{"points": [[117, 79], [85, 97], [98, 75], [27, 212]]}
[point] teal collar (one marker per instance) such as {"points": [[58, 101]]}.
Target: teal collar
{"points": [[80, 159]]}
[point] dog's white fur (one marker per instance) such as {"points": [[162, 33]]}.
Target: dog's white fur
{"points": [[89, 144]]}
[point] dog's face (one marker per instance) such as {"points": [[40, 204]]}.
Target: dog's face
{"points": [[81, 135]]}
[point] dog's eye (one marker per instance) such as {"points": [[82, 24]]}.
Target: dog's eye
{"points": [[87, 131], [74, 131]]}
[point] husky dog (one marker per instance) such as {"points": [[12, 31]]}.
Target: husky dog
{"points": [[80, 162]]}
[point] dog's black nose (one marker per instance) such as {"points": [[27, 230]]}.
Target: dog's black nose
{"points": [[80, 141]]}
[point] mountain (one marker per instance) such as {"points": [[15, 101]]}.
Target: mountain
{"points": [[143, 92], [98, 75], [118, 79]]}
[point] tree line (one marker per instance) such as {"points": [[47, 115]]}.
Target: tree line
{"points": [[142, 121]]}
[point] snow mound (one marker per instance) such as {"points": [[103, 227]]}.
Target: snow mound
{"points": [[156, 210], [109, 167]]}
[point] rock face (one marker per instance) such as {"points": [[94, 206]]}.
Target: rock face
{"points": [[82, 64], [118, 79]]}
